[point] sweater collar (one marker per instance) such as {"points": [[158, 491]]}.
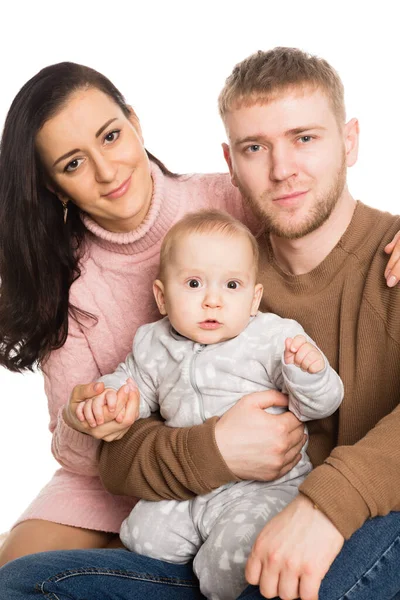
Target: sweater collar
{"points": [[162, 213], [351, 240]]}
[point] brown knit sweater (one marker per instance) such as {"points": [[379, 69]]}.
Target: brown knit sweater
{"points": [[346, 307]]}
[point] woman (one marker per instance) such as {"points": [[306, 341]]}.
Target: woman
{"points": [[83, 210]]}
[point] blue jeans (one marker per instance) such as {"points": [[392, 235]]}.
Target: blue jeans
{"points": [[368, 568]]}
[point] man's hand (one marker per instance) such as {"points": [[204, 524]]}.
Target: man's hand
{"points": [[303, 354], [258, 445], [116, 421], [293, 552]]}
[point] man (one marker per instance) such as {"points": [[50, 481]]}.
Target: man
{"points": [[289, 149], [322, 260]]}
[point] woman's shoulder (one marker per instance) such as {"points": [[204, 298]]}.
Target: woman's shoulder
{"points": [[211, 190]]}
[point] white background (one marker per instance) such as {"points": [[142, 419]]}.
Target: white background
{"points": [[170, 60]]}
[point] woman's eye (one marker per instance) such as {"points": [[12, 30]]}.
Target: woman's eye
{"points": [[73, 165], [233, 285], [194, 283], [112, 136]]}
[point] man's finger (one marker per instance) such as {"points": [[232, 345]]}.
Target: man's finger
{"points": [[309, 586], [291, 422]]}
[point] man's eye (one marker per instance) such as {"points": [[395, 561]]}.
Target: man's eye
{"points": [[254, 148], [73, 165], [232, 285], [112, 136], [305, 139], [194, 283]]}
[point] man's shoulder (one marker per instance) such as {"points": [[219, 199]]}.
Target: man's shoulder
{"points": [[370, 230]]}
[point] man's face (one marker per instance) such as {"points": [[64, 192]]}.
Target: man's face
{"points": [[289, 158]]}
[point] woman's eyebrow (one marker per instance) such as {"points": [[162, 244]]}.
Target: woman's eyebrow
{"points": [[103, 127]]}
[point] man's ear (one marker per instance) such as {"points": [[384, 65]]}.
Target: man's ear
{"points": [[351, 137], [258, 292], [158, 291], [227, 155], [134, 120]]}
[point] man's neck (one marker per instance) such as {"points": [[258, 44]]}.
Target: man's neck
{"points": [[303, 255]]}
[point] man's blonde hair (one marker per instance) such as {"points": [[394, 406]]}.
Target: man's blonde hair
{"points": [[264, 75], [204, 222]]}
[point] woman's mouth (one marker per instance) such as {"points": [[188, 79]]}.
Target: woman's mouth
{"points": [[120, 190]]}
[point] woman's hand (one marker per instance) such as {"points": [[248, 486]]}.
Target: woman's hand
{"points": [[392, 271], [258, 445], [117, 415]]}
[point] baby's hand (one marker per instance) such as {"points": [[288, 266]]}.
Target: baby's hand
{"points": [[301, 353], [104, 407]]}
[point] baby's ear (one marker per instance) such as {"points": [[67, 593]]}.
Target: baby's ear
{"points": [[158, 291], [258, 292]]}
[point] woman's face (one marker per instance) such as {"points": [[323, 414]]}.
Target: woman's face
{"points": [[94, 156]]}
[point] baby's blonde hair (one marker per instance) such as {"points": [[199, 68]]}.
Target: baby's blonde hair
{"points": [[203, 222]]}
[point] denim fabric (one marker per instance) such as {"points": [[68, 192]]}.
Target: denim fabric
{"points": [[366, 569], [109, 574]]}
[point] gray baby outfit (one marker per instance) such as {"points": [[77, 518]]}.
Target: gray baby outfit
{"points": [[190, 382]]}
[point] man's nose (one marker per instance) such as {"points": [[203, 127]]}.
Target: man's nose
{"points": [[284, 163]]}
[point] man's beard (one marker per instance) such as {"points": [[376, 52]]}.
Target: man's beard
{"points": [[318, 214]]}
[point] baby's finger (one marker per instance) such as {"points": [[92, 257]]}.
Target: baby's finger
{"points": [[122, 397], [288, 355], [301, 353], [98, 404], [297, 342], [111, 400], [121, 415], [88, 412], [130, 413], [313, 361], [79, 412]]}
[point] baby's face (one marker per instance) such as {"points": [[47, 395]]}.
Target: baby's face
{"points": [[210, 290]]}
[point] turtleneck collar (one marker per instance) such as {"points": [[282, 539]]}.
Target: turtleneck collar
{"points": [[163, 208]]}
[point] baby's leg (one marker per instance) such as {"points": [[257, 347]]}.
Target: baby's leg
{"points": [[162, 530], [220, 562]]}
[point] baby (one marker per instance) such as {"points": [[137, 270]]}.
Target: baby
{"points": [[211, 348]]}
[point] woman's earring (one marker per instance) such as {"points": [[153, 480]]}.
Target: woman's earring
{"points": [[65, 207]]}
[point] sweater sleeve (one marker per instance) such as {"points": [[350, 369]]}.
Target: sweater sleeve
{"points": [[361, 481], [156, 462], [66, 367]]}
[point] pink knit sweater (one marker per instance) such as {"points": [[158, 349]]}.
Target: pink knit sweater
{"points": [[115, 286]]}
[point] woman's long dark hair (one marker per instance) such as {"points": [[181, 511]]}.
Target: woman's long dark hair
{"points": [[39, 255]]}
